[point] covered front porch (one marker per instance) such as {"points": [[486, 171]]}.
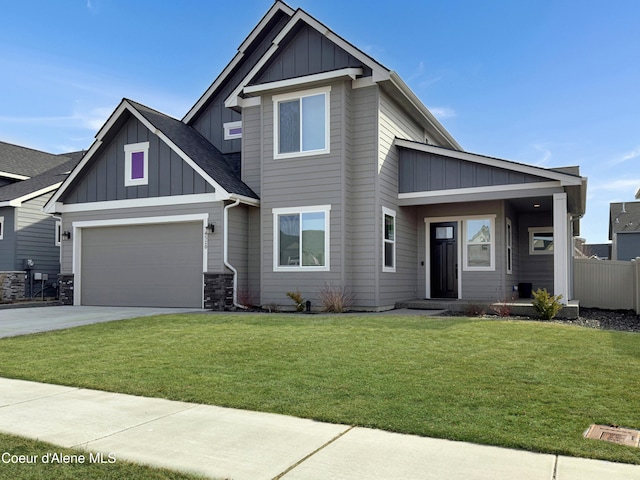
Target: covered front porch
{"points": [[490, 225]]}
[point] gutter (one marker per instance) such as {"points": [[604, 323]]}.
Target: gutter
{"points": [[225, 222]]}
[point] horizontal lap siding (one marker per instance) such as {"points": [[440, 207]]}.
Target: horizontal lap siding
{"points": [[394, 122], [252, 147], [361, 194], [8, 242], [535, 269], [35, 237], [299, 182]]}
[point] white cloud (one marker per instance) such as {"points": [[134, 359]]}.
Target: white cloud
{"points": [[618, 185], [443, 112], [635, 153], [544, 155]]}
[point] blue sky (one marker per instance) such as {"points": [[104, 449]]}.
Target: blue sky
{"points": [[545, 82]]}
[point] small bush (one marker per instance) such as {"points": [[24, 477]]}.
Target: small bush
{"points": [[297, 299], [473, 310], [547, 305], [335, 299], [501, 308]]}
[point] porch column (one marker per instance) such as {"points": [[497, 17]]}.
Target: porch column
{"points": [[560, 250]]}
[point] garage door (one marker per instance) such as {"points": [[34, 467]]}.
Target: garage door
{"points": [[142, 265]]}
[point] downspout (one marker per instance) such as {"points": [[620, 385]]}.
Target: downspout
{"points": [[226, 253]]}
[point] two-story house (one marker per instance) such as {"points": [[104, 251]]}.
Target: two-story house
{"points": [[306, 163]]}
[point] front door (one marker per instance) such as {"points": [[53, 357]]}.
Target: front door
{"points": [[444, 260]]}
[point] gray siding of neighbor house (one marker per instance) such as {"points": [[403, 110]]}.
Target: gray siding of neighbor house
{"points": [[535, 269], [305, 52], [214, 210], [424, 172], [8, 242], [401, 284], [628, 244], [35, 237], [209, 122], [168, 173], [297, 182]]}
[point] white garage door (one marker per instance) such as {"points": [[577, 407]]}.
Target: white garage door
{"points": [[142, 265]]}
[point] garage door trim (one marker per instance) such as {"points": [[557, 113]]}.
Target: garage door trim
{"points": [[78, 226]]}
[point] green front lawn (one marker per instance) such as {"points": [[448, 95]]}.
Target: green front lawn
{"points": [[529, 385], [23, 458]]}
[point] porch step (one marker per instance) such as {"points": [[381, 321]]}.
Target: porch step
{"points": [[522, 308]]}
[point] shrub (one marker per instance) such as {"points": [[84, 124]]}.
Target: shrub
{"points": [[501, 308], [547, 305], [473, 310], [335, 299], [297, 299]]}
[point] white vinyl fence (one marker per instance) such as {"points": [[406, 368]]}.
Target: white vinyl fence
{"points": [[607, 284]]}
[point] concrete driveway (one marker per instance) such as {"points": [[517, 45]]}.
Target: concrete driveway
{"points": [[21, 321]]}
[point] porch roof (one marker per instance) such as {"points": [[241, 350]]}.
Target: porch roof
{"points": [[432, 175]]}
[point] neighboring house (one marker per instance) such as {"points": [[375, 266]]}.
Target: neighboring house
{"points": [[28, 178], [306, 164], [624, 230]]}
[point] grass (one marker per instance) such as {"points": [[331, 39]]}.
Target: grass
{"points": [[33, 467], [527, 385]]}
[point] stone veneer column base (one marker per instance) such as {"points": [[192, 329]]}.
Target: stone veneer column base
{"points": [[65, 281], [12, 285], [218, 291]]}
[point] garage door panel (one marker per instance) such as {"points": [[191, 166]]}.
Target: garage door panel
{"points": [[143, 265]]}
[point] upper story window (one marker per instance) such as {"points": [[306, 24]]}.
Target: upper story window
{"points": [[136, 164], [301, 123], [232, 130]]}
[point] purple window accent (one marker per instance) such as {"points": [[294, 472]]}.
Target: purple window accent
{"points": [[235, 131], [137, 165]]}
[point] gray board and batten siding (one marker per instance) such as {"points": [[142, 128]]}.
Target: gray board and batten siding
{"points": [[103, 180], [306, 51], [425, 172], [211, 118]]}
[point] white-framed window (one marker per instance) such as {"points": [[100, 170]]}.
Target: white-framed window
{"points": [[136, 164], [232, 130], [479, 243], [388, 240], [540, 240], [509, 243], [1, 228], [301, 123], [301, 238], [58, 233]]}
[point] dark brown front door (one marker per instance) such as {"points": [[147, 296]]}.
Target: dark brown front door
{"points": [[444, 260]]}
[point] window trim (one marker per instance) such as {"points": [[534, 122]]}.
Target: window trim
{"points": [[58, 233], [387, 212], [227, 127], [277, 99], [129, 150], [532, 232], [277, 212], [509, 246], [492, 244], [1, 228]]}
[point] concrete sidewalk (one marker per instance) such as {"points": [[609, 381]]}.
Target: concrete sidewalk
{"points": [[238, 444]]}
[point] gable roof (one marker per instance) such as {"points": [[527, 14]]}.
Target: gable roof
{"points": [[189, 144], [387, 79], [624, 217], [14, 194], [21, 163]]}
